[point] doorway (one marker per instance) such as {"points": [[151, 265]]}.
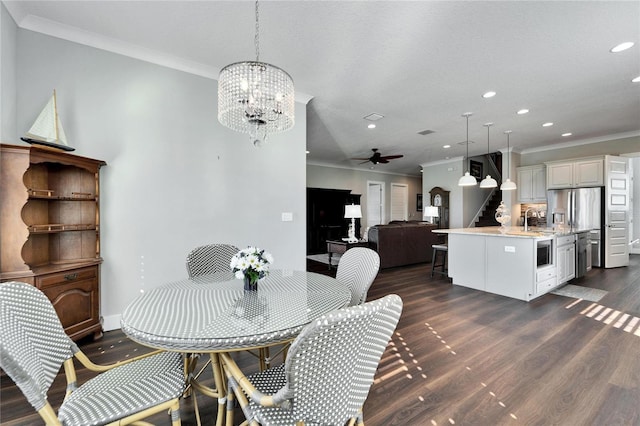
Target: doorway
{"points": [[375, 203]]}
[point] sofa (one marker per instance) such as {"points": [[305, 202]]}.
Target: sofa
{"points": [[402, 243]]}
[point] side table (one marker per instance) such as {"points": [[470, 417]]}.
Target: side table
{"points": [[339, 247]]}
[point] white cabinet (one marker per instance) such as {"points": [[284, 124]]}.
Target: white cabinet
{"points": [[566, 258], [559, 175], [588, 173], [532, 186], [577, 173]]}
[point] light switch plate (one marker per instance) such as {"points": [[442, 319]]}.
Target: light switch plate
{"points": [[287, 217]]}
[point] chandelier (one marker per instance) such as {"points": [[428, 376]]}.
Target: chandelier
{"points": [[255, 97]]}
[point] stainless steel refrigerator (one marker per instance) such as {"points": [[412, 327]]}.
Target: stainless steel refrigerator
{"points": [[579, 209]]}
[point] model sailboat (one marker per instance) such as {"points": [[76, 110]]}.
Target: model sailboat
{"points": [[47, 129]]}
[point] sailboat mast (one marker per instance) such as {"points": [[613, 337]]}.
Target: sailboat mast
{"points": [[55, 113]]}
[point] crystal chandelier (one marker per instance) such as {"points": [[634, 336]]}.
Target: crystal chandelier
{"points": [[255, 97]]}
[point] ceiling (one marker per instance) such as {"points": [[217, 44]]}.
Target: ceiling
{"points": [[420, 64]]}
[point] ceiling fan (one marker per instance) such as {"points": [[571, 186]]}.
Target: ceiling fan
{"points": [[378, 158]]}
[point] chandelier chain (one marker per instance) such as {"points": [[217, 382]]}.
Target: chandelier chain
{"points": [[256, 40]]}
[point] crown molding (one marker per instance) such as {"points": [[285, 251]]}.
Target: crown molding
{"points": [[588, 141], [88, 38], [334, 166]]}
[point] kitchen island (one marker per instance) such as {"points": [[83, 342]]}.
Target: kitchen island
{"points": [[505, 262]]}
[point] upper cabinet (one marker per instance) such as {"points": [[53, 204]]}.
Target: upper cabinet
{"points": [[589, 172], [574, 174], [531, 184]]}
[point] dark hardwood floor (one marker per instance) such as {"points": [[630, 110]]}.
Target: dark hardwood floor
{"points": [[464, 357]]}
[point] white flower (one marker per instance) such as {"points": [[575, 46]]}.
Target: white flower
{"points": [[252, 261]]}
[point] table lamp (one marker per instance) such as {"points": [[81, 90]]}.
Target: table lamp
{"points": [[352, 212], [431, 212]]}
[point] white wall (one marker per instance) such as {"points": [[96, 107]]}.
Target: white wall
{"points": [[8, 33], [445, 174], [356, 180], [175, 178]]}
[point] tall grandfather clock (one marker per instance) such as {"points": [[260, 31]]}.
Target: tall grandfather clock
{"points": [[440, 199]]}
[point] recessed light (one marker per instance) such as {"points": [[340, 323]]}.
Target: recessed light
{"points": [[547, 124], [371, 126], [636, 80], [566, 134], [446, 146], [307, 152], [622, 46], [489, 94], [522, 111]]}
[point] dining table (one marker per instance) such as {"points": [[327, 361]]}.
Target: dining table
{"points": [[210, 314]]}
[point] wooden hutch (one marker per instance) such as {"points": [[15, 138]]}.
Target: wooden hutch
{"points": [[50, 230]]}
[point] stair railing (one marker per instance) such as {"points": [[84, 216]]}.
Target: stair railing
{"points": [[494, 168], [482, 207], [498, 177]]}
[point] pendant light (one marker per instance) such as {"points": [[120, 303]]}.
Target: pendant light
{"points": [[255, 97], [507, 185], [467, 179], [488, 182]]}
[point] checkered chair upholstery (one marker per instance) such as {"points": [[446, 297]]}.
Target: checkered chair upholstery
{"points": [[33, 347], [357, 269], [328, 371], [210, 259]]}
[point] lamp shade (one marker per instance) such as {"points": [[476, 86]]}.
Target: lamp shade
{"points": [[352, 211], [255, 97], [467, 180], [508, 185], [431, 211], [488, 182]]}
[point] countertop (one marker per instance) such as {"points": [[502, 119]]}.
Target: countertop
{"points": [[512, 232]]}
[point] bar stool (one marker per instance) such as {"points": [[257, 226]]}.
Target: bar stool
{"points": [[439, 249]]}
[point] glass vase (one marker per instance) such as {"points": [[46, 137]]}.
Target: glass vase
{"points": [[250, 285]]}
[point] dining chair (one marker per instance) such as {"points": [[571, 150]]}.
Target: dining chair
{"points": [[34, 346], [211, 258], [328, 371], [357, 269]]}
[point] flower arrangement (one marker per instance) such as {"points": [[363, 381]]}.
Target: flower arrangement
{"points": [[251, 264]]}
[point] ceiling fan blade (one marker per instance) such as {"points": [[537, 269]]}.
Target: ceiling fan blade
{"points": [[361, 159], [367, 160], [383, 160], [392, 157]]}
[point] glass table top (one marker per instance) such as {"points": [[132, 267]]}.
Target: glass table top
{"points": [[214, 313]]}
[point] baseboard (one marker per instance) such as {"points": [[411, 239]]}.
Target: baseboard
{"points": [[111, 322]]}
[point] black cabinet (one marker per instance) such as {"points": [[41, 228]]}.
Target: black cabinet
{"points": [[325, 217]]}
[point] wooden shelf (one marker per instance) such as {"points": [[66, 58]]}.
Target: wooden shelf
{"points": [[50, 230], [57, 227]]}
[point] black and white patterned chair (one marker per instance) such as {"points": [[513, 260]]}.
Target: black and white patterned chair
{"points": [[209, 259], [357, 269], [33, 347], [328, 371]]}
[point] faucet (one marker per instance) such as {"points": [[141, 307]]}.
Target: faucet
{"points": [[526, 225]]}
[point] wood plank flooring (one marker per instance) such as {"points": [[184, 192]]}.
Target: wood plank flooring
{"points": [[464, 357]]}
